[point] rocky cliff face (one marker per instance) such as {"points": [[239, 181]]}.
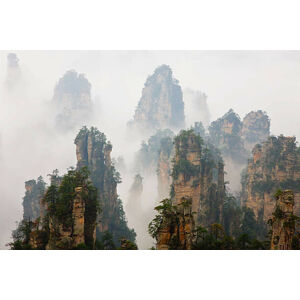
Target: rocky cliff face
{"points": [[235, 140], [164, 165], [93, 151], [146, 159], [255, 129], [177, 227], [274, 164], [198, 174], [68, 236], [67, 219], [34, 191], [161, 105], [283, 221], [225, 134], [197, 191], [78, 207], [72, 100]]}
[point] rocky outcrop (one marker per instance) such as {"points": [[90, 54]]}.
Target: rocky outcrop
{"points": [[197, 192], [161, 105], [34, 191], [225, 134], [63, 236], [146, 159], [274, 164], [198, 175], [72, 100], [78, 207], [255, 129], [283, 221], [164, 166], [177, 228], [93, 151], [235, 140]]}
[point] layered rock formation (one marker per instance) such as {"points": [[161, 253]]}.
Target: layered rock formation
{"points": [[78, 207], [63, 235], [93, 151], [67, 215], [255, 129], [198, 175], [283, 221], [146, 159], [274, 164], [72, 100], [197, 191], [225, 133], [177, 228], [161, 105], [34, 192], [235, 140], [164, 166]]}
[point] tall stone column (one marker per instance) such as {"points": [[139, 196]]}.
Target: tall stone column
{"points": [[283, 223]]}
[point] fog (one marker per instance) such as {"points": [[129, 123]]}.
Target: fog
{"points": [[31, 146]]}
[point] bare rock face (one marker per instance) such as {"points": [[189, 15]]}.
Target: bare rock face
{"points": [[235, 139], [62, 236], [283, 222], [198, 175], [256, 128], [176, 233], [164, 166], [146, 159], [274, 164], [35, 190], [197, 192], [72, 100], [78, 217], [225, 134], [93, 151], [161, 105]]}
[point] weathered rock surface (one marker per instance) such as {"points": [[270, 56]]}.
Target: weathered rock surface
{"points": [[235, 139], [93, 151], [161, 105], [283, 222], [198, 175], [255, 129], [68, 237], [197, 192], [164, 166], [177, 233], [274, 164], [34, 191], [72, 100], [146, 159]]}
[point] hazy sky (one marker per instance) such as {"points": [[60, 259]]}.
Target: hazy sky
{"points": [[242, 80]]}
